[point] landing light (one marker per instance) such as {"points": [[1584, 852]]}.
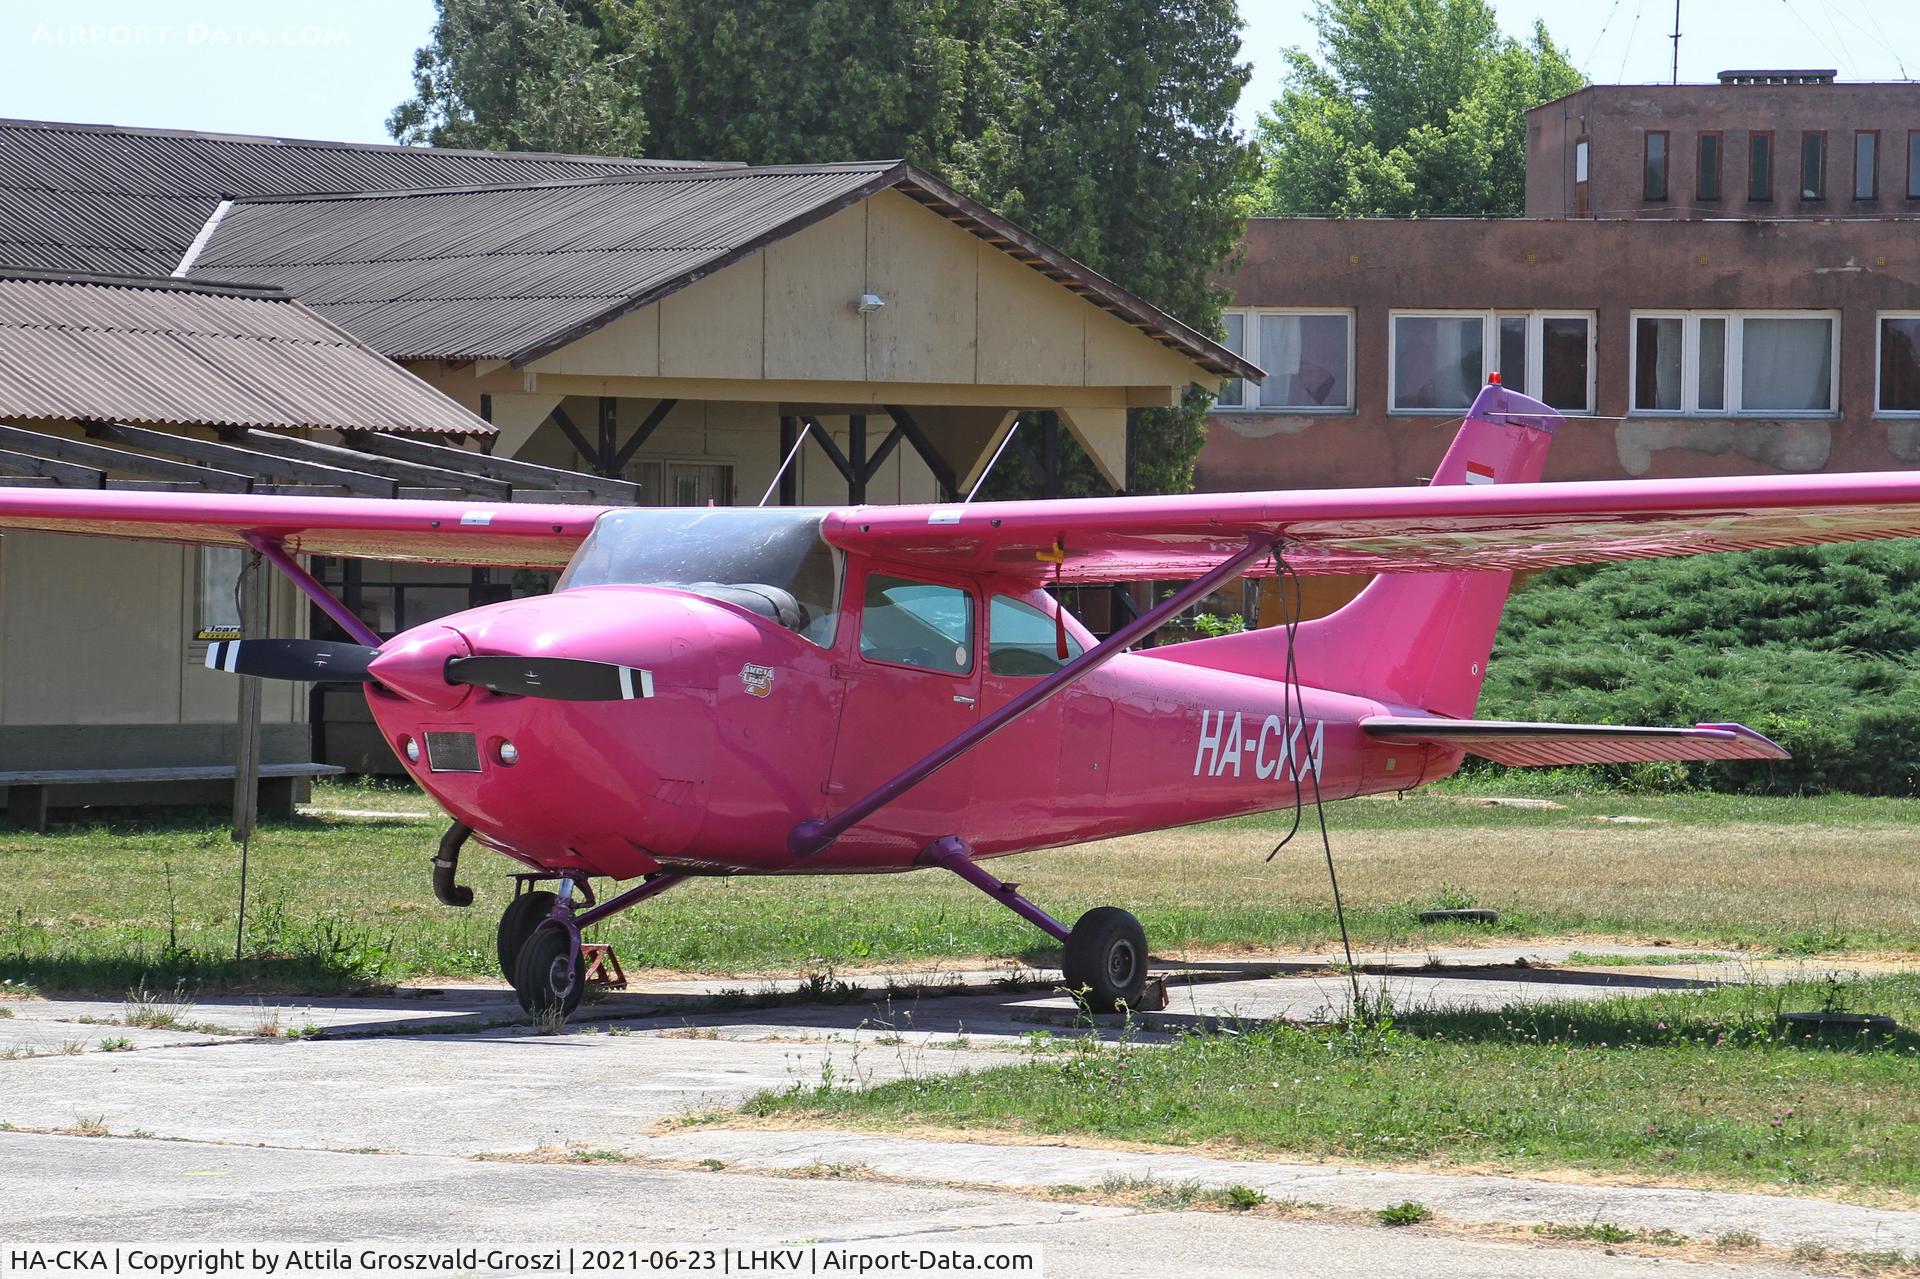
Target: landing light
{"points": [[412, 749], [507, 752]]}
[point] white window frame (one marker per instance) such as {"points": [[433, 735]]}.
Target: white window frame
{"points": [[1879, 341], [1250, 335], [1490, 351], [1736, 344]]}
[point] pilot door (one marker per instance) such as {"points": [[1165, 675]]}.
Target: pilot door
{"points": [[911, 679]]}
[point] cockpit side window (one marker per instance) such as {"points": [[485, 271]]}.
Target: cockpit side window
{"points": [[917, 624], [1022, 640]]}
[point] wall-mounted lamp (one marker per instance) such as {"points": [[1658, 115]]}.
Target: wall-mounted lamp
{"points": [[869, 303]]}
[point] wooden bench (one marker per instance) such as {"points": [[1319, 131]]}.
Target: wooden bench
{"points": [[31, 792]]}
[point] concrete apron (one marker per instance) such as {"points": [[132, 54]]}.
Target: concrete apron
{"points": [[453, 1072]]}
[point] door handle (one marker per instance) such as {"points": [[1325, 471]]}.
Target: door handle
{"points": [[963, 699]]}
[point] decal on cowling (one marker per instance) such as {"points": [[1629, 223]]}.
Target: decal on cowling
{"points": [[757, 680], [1273, 751]]}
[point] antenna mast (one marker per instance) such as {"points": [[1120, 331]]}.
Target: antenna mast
{"points": [[1676, 41]]}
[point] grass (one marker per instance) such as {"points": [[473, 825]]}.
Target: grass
{"points": [[344, 904], [1697, 1086]]}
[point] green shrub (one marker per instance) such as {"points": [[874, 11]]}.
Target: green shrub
{"points": [[1815, 647]]}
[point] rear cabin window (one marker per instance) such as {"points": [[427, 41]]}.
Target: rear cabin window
{"points": [[1023, 640], [917, 624]]}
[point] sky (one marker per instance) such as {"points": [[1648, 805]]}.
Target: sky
{"points": [[334, 70]]}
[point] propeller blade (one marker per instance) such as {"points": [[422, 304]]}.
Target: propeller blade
{"points": [[564, 679], [291, 659]]}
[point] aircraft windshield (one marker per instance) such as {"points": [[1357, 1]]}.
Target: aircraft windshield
{"points": [[773, 562]]}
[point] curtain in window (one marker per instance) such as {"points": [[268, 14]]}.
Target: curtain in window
{"points": [[1786, 365], [1656, 363], [1900, 365], [1306, 361], [1437, 361]]}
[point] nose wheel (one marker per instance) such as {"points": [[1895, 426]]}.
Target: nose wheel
{"points": [[1105, 956], [549, 977], [522, 915]]}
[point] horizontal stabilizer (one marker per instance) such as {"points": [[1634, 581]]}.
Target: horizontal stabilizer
{"points": [[1548, 745]]}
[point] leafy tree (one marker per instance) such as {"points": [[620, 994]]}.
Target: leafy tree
{"points": [[780, 82], [1417, 110], [524, 75], [1115, 142]]}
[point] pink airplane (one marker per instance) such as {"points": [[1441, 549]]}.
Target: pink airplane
{"points": [[785, 691]]}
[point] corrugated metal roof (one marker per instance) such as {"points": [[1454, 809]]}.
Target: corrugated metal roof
{"points": [[89, 197], [160, 352], [490, 272], [514, 271]]}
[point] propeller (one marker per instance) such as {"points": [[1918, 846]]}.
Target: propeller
{"points": [[292, 659], [564, 679]]}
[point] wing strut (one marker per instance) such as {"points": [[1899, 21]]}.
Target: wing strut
{"points": [[816, 835]]}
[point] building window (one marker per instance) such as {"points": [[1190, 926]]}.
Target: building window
{"points": [[1438, 361], [1866, 164], [1707, 182], [1899, 383], [1755, 363], [1655, 187], [218, 614], [1913, 164], [1308, 356], [1580, 178], [1813, 166], [1760, 166], [1233, 391]]}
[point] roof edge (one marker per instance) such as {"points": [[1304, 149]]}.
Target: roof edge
{"points": [[584, 180], [268, 139], [153, 283]]}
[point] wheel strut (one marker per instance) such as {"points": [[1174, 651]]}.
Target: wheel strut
{"points": [[952, 853], [1103, 957]]}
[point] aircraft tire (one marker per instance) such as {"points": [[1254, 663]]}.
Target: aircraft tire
{"points": [[517, 922], [1105, 957], [540, 978]]}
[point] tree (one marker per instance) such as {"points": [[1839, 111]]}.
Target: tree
{"points": [[1115, 142], [1418, 110], [780, 82], [524, 75]]}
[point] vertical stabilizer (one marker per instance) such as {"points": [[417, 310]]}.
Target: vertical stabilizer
{"points": [[1411, 639]]}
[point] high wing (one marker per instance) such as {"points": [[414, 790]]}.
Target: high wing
{"points": [[515, 534], [1540, 745], [1451, 528]]}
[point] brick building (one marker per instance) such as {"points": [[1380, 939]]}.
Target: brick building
{"points": [[1710, 279]]}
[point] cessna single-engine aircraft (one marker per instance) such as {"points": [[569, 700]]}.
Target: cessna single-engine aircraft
{"points": [[785, 691]]}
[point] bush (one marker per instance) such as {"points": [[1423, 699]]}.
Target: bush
{"points": [[1814, 647]]}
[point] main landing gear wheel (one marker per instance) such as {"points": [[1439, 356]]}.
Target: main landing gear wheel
{"points": [[542, 980], [1105, 958], [522, 915]]}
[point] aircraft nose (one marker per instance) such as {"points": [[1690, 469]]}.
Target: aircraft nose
{"points": [[414, 665]]}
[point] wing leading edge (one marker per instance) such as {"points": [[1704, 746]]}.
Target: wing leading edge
{"points": [[1446, 529], [516, 535], [1550, 745]]}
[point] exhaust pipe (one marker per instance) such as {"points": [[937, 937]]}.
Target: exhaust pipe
{"points": [[446, 864]]}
